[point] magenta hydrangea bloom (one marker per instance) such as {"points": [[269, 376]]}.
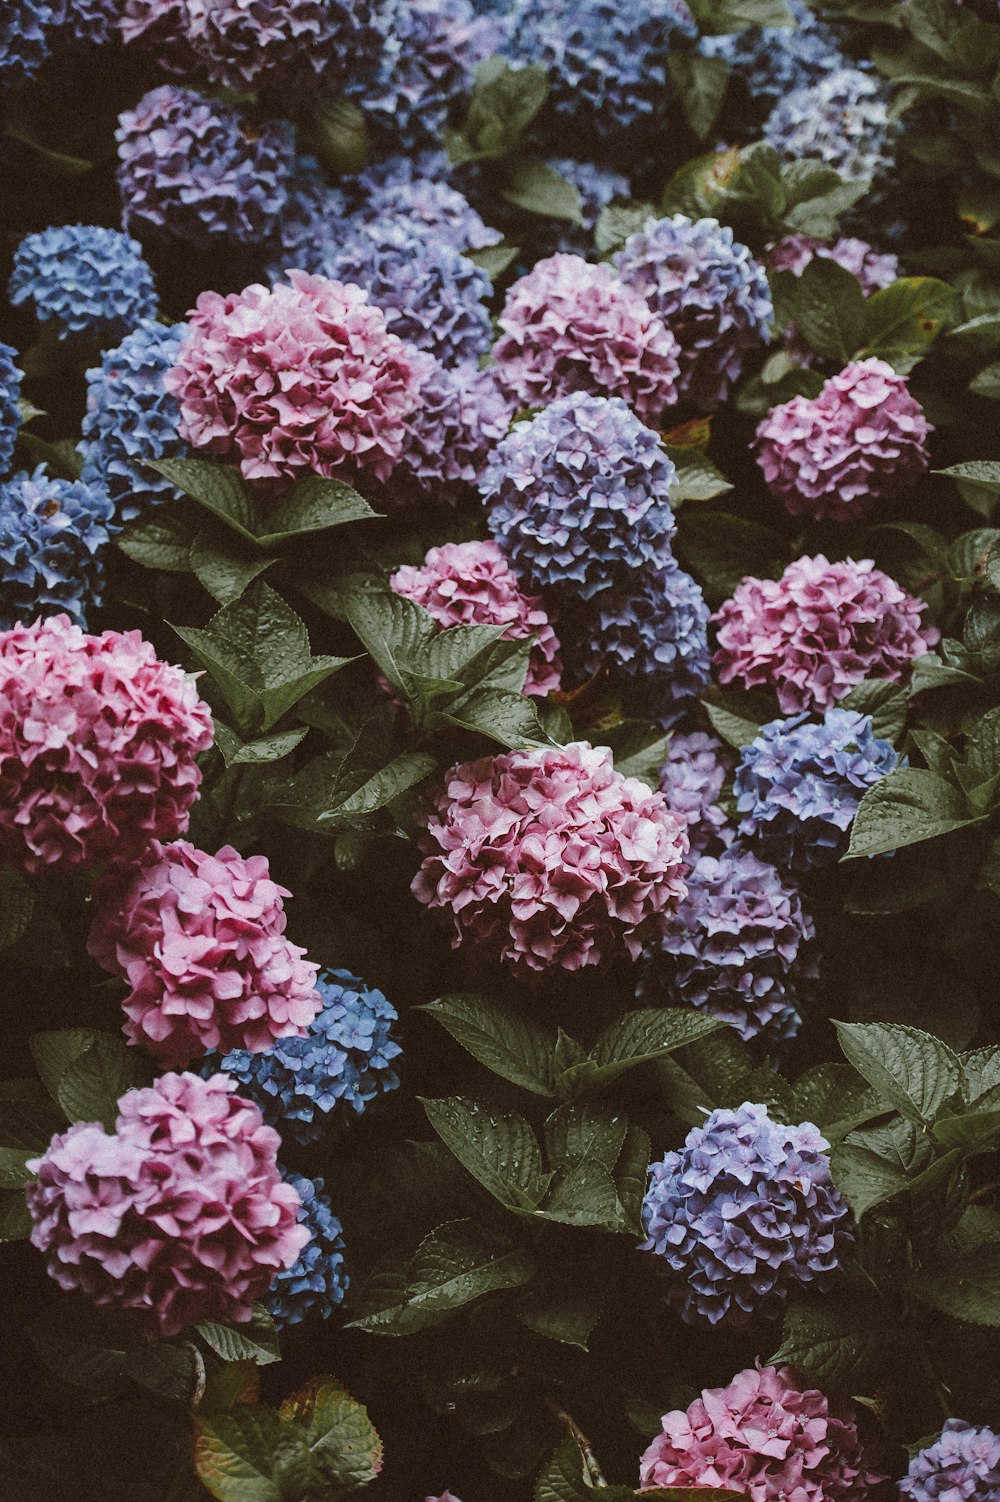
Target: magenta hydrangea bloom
{"points": [[862, 440], [874, 269], [302, 377], [98, 740], [201, 941], [818, 630], [569, 326], [550, 859], [461, 416], [180, 1215], [472, 584], [763, 1436]]}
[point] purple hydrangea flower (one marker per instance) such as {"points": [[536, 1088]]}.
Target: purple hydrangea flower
{"points": [[11, 377], [711, 294], [316, 1284], [740, 944], [743, 1214], [578, 496], [461, 416], [84, 279], [799, 784], [962, 1465], [24, 42], [691, 780], [93, 23], [874, 269], [52, 537], [430, 164], [131, 418], [434, 207], [199, 171], [311, 224], [773, 60], [842, 120]]}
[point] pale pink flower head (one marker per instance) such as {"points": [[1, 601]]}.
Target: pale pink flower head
{"points": [[570, 326], [818, 630], [550, 859], [98, 745], [874, 269], [861, 441], [201, 941], [472, 584], [180, 1215], [763, 1436], [301, 378]]}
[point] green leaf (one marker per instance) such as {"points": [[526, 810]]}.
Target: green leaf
{"points": [[701, 83], [631, 1173], [736, 732], [911, 1070], [539, 188], [968, 1288], [639, 750], [15, 1217], [617, 221], [511, 1046], [338, 133], [505, 100], [980, 471], [835, 1342], [830, 309], [234, 1454], [214, 486], [564, 1314], [987, 382], [907, 316], [636, 1038], [500, 715], [267, 748], [698, 479], [154, 541], [223, 573], [174, 1372], [971, 1131], [343, 1443], [86, 1072], [84, 1345], [255, 1341], [718, 16], [393, 629], [498, 1148], [907, 806], [402, 773], [17, 903], [313, 504], [494, 259], [930, 672], [13, 1173], [722, 549], [49, 162], [885, 702], [836, 1099], [864, 1177]]}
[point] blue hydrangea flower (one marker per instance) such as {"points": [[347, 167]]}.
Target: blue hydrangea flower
{"points": [[799, 784], [962, 1465], [433, 296], [842, 120], [52, 536], [431, 164], [316, 1284], [709, 291], [606, 62], [743, 1214], [598, 187], [24, 42], [651, 633], [131, 418], [84, 279], [773, 60], [739, 945], [431, 207], [197, 170], [11, 377], [311, 224], [691, 780], [578, 496], [342, 1064]]}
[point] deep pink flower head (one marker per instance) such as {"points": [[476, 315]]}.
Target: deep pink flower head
{"points": [[180, 1216], [763, 1436], [201, 941], [569, 326], [98, 740], [818, 630], [302, 377], [472, 584], [862, 440], [551, 859]]}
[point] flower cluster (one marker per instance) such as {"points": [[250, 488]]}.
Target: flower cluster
{"points": [[11, 377], [179, 1215], [52, 538], [472, 584], [98, 740], [568, 326], [765, 1436], [691, 780], [711, 294], [332, 1073], [84, 280], [550, 859], [461, 415], [435, 207], [843, 120], [861, 441], [317, 1282], [873, 269], [578, 496], [201, 941], [303, 377], [773, 60], [743, 1214], [818, 630], [962, 1465], [24, 42], [798, 784]]}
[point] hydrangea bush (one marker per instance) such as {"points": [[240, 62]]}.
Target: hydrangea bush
{"points": [[500, 750]]}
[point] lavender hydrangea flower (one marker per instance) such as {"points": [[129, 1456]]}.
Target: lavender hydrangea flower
{"points": [[874, 269], [578, 496], [461, 416], [316, 1284], [52, 536], [711, 294], [131, 418], [311, 223], [90, 23], [842, 120], [962, 1465], [743, 1214], [799, 784], [691, 780], [11, 377], [197, 170], [773, 60], [740, 945], [342, 1064], [24, 42], [434, 207], [84, 280]]}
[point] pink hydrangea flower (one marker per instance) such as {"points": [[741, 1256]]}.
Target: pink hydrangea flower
{"points": [[300, 378], [550, 859], [765, 1437], [569, 326], [818, 630], [472, 584], [201, 941], [862, 440], [180, 1215], [873, 269], [98, 740]]}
